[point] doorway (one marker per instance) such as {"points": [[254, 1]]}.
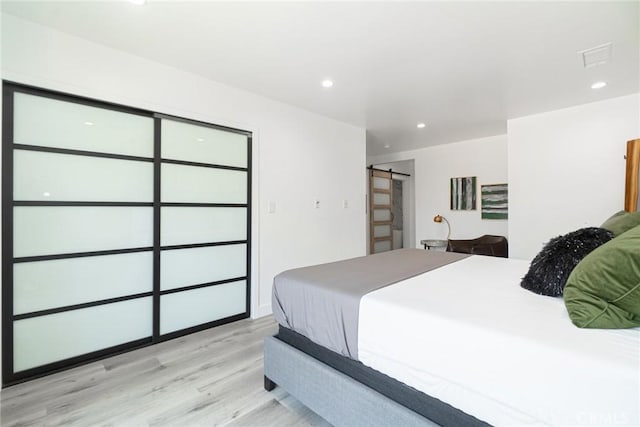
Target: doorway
{"points": [[397, 215]]}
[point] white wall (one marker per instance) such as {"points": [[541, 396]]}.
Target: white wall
{"points": [[485, 158], [298, 156], [566, 170]]}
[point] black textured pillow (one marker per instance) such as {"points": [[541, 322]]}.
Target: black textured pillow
{"points": [[550, 269]]}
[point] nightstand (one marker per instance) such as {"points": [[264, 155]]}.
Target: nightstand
{"points": [[434, 243]]}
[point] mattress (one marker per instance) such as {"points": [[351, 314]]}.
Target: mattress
{"points": [[467, 334], [321, 302]]}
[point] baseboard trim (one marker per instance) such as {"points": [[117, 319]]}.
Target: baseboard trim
{"points": [[261, 311]]}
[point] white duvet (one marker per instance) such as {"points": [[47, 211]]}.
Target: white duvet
{"points": [[469, 335]]}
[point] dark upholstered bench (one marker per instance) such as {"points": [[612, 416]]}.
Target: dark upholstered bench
{"points": [[485, 245]]}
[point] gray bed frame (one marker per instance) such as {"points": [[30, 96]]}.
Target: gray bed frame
{"points": [[334, 396]]}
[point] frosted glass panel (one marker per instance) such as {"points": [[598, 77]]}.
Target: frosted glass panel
{"points": [[48, 176], [48, 284], [47, 230], [382, 231], [181, 225], [190, 308], [47, 339], [185, 267], [381, 199], [382, 215], [381, 183], [184, 141], [383, 246], [52, 123], [203, 185]]}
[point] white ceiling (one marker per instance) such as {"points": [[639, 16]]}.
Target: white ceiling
{"points": [[462, 68]]}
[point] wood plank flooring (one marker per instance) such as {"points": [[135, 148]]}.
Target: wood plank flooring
{"points": [[211, 378]]}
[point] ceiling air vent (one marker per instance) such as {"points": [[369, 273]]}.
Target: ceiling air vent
{"points": [[598, 55]]}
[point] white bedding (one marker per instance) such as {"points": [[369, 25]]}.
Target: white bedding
{"points": [[469, 335]]}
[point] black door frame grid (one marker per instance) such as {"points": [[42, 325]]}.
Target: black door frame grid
{"points": [[9, 377]]}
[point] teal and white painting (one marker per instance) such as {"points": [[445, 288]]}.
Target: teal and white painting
{"points": [[495, 201], [463, 193]]}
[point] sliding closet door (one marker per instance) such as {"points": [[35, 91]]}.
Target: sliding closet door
{"points": [[204, 227], [77, 231], [380, 211], [120, 228]]}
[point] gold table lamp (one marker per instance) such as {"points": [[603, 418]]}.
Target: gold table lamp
{"points": [[439, 219]]}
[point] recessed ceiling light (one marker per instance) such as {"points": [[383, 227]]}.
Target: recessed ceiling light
{"points": [[421, 125], [598, 85], [138, 2], [327, 83], [199, 139], [88, 123], [387, 146]]}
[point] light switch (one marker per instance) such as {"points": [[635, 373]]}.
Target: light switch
{"points": [[272, 207], [316, 204], [345, 203]]}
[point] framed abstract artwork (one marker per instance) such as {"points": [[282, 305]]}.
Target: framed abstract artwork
{"points": [[495, 201], [463, 193]]}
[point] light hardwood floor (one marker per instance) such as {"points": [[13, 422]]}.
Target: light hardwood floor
{"points": [[213, 377]]}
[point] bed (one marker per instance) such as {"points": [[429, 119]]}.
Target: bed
{"points": [[499, 355], [413, 337]]}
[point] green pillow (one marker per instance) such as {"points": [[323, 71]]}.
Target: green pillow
{"points": [[621, 222], [603, 290]]}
